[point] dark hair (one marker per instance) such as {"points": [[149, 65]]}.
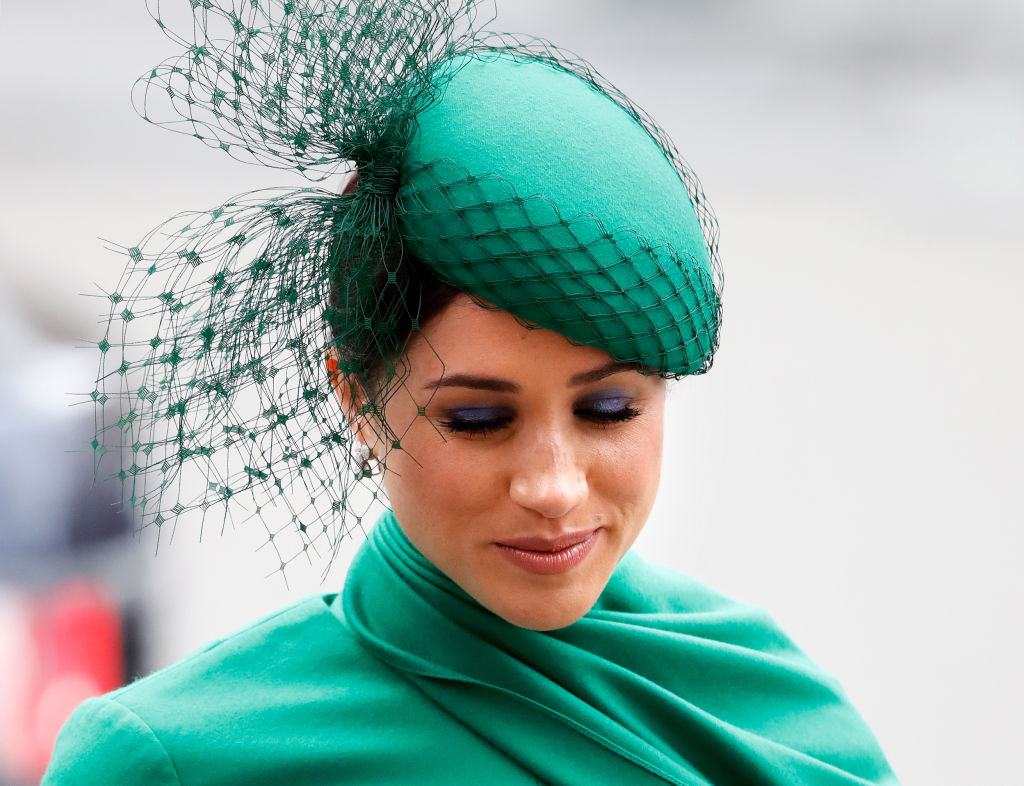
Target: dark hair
{"points": [[374, 312]]}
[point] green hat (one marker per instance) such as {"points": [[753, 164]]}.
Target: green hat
{"points": [[530, 187], [506, 168]]}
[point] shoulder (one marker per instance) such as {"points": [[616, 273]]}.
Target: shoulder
{"points": [[638, 585], [304, 638], [650, 594], [105, 742], [243, 702], [293, 698]]}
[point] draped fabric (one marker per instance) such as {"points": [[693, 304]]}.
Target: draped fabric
{"points": [[405, 679], [664, 680]]}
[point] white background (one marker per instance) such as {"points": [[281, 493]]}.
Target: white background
{"points": [[852, 462]]}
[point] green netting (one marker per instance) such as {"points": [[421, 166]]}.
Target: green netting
{"points": [[214, 390]]}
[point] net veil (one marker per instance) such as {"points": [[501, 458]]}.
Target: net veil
{"points": [[214, 396]]}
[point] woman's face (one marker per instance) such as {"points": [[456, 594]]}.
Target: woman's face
{"points": [[534, 468]]}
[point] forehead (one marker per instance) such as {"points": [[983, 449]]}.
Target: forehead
{"points": [[466, 337]]}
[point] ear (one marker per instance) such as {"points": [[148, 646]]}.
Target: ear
{"points": [[352, 398]]}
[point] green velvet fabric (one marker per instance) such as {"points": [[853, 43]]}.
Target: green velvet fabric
{"points": [[531, 188], [663, 680], [549, 132], [293, 699], [405, 679]]}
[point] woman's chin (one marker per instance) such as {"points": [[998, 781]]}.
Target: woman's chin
{"points": [[543, 600], [542, 622], [548, 613]]}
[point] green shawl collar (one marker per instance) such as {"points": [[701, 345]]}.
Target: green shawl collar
{"points": [[663, 680]]}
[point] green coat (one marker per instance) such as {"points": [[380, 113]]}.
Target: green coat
{"points": [[405, 679]]}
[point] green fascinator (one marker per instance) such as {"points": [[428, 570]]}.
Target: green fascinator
{"points": [[502, 166]]}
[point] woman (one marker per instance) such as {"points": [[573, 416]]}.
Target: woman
{"points": [[503, 289]]}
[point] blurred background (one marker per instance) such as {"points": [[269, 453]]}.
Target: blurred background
{"points": [[853, 463]]}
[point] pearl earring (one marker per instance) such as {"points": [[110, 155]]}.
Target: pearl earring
{"points": [[363, 460]]}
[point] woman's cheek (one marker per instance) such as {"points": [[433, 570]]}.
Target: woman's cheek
{"points": [[453, 480], [450, 475], [631, 467]]}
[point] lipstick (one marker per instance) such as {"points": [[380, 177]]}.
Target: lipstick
{"points": [[548, 556]]}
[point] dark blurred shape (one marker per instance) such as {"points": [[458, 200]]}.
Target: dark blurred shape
{"points": [[67, 558], [50, 509]]}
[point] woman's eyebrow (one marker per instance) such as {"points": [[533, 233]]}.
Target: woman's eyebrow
{"points": [[474, 382], [586, 377], [497, 385]]}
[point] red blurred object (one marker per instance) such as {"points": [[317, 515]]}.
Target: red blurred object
{"points": [[84, 634], [75, 651]]}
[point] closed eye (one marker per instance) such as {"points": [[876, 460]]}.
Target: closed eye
{"points": [[606, 410], [480, 420], [477, 420]]}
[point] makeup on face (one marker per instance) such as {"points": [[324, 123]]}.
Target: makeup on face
{"points": [[601, 408], [548, 557], [528, 465]]}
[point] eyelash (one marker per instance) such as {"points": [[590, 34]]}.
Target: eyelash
{"points": [[484, 426], [606, 418]]}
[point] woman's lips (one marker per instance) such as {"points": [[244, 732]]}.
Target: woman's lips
{"points": [[549, 556]]}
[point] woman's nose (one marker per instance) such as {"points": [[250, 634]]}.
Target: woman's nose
{"points": [[549, 481]]}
